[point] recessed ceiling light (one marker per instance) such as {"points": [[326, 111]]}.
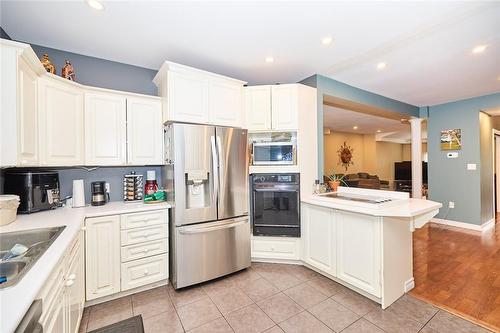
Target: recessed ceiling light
{"points": [[269, 59], [355, 127], [479, 49], [326, 40], [381, 66], [96, 4], [378, 131]]}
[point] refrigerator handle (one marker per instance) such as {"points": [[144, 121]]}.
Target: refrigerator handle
{"points": [[215, 173]]}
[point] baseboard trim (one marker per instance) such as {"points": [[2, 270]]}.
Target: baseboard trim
{"points": [[409, 285], [482, 227]]}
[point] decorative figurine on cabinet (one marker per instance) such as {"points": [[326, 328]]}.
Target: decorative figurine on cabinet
{"points": [[68, 72], [47, 64]]}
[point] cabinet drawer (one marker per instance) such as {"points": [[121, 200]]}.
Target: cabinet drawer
{"points": [[144, 271], [141, 250], [144, 219], [275, 248], [52, 288], [140, 235]]}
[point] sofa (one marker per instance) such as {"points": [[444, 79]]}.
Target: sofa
{"points": [[365, 180]]}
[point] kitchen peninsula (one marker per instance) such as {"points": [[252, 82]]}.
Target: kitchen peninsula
{"points": [[363, 239]]}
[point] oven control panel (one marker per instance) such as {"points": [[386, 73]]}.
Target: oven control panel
{"points": [[279, 178]]}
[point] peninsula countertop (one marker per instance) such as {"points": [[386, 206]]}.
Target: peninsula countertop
{"points": [[15, 300], [400, 204]]}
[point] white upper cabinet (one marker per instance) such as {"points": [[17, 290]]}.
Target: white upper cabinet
{"points": [[27, 124], [144, 131], [285, 103], [194, 96], [258, 107], [61, 123], [187, 97], [226, 103], [272, 107], [105, 129]]}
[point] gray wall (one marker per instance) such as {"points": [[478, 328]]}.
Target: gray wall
{"points": [[449, 179]]}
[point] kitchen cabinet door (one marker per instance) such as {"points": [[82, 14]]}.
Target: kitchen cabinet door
{"points": [[319, 238], [187, 97], [102, 256], [359, 250], [27, 133], [226, 103], [75, 288], [144, 132], [258, 107], [61, 123], [285, 100], [105, 129]]}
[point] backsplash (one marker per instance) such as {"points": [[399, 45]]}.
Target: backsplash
{"points": [[112, 175]]}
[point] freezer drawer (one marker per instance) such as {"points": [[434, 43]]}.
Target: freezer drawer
{"points": [[210, 250]]}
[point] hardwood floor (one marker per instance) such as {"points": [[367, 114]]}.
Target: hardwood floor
{"points": [[459, 270]]}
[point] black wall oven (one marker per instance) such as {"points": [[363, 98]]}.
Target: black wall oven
{"points": [[275, 204]]}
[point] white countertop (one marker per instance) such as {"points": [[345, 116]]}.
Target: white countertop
{"points": [[400, 206], [15, 300]]}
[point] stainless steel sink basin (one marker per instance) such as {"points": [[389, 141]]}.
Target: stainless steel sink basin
{"points": [[37, 240]]}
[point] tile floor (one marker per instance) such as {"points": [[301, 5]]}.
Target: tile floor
{"points": [[272, 298]]}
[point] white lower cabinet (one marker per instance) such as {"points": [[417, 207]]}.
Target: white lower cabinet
{"points": [[63, 296], [320, 238], [281, 248], [359, 251], [344, 245], [125, 252]]}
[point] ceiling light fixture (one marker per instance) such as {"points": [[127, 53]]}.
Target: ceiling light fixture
{"points": [[269, 59], [479, 49], [96, 4], [326, 40], [378, 131], [355, 127], [381, 66]]}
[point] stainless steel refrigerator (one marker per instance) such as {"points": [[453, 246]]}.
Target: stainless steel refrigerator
{"points": [[206, 177]]}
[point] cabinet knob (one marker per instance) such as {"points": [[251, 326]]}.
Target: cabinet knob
{"points": [[71, 277], [146, 272], [146, 250], [84, 228], [69, 283]]}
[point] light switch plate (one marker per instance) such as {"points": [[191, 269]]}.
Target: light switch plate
{"points": [[471, 166]]}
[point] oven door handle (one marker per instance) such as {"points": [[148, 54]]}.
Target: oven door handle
{"points": [[275, 190], [198, 230]]}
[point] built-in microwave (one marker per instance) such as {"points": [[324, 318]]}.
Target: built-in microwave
{"points": [[272, 153]]}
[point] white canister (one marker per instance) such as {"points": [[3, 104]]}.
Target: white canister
{"points": [[78, 193], [8, 208]]}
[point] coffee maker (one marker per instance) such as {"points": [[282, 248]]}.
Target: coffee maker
{"points": [[99, 193]]}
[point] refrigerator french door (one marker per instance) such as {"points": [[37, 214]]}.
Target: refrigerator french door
{"points": [[206, 177]]}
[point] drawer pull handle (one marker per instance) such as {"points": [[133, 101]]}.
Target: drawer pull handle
{"points": [[69, 283], [71, 277], [146, 272]]}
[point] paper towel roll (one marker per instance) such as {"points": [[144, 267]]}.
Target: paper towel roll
{"points": [[78, 193]]}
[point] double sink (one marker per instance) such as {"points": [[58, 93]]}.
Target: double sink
{"points": [[36, 240]]}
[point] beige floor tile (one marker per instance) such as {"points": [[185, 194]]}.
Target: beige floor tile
{"points": [[280, 307], [197, 313], [231, 299], [243, 277], [427, 329], [151, 302], [250, 319], [305, 295], [186, 295], [416, 309], [326, 286], [334, 315], [304, 322], [445, 322], [259, 289], [355, 302], [167, 322], [392, 322], [109, 313], [275, 329], [216, 326], [300, 272], [363, 326], [216, 286], [281, 279]]}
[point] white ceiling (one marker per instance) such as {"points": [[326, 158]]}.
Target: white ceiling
{"points": [[427, 45], [342, 120]]}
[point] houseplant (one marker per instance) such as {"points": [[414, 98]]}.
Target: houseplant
{"points": [[335, 180]]}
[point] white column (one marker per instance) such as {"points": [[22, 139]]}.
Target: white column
{"points": [[416, 157]]}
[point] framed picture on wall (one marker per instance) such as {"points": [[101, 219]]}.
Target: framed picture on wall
{"points": [[451, 139]]}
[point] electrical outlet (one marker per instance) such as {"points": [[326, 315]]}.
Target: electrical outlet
{"points": [[451, 204]]}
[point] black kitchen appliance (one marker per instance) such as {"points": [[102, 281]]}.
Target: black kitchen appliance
{"points": [[99, 193], [276, 204], [37, 189]]}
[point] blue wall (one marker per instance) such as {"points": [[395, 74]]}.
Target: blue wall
{"points": [[330, 87], [449, 179]]}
